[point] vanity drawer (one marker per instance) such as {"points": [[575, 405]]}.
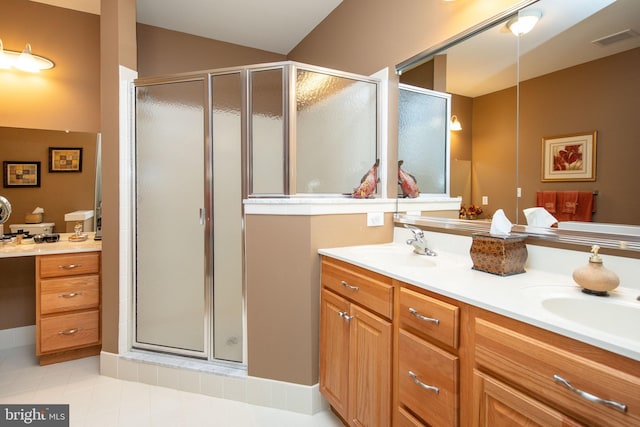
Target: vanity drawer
{"points": [[539, 367], [422, 365], [69, 293], [366, 288], [69, 330], [68, 264], [429, 317]]}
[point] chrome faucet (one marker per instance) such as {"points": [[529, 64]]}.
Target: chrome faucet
{"points": [[418, 242]]}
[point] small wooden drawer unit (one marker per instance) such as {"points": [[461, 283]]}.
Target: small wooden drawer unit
{"points": [[68, 306], [427, 380], [429, 317], [366, 288], [588, 391]]}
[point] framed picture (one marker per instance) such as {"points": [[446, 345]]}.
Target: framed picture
{"points": [[569, 157], [21, 174], [65, 159]]}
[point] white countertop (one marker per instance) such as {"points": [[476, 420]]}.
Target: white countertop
{"points": [[30, 248], [518, 296]]}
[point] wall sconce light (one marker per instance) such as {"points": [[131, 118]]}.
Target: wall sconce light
{"points": [[524, 22], [455, 124], [24, 61]]}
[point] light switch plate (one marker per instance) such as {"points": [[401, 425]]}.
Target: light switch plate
{"points": [[375, 219]]}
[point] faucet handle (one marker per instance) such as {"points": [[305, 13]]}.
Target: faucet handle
{"points": [[417, 232]]}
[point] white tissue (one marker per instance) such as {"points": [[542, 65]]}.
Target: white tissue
{"points": [[38, 211], [500, 224], [539, 217]]}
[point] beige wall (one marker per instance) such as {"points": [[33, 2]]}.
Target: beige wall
{"points": [[65, 97], [283, 288], [364, 36], [162, 51]]}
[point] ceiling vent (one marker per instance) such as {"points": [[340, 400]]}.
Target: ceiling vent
{"points": [[615, 37]]}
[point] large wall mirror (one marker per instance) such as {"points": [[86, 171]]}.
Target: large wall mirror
{"points": [[575, 73]]}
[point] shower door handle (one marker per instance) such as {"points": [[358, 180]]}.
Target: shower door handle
{"points": [[202, 216]]}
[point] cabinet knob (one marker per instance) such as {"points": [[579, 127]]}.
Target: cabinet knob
{"points": [[417, 315], [588, 396], [415, 379]]}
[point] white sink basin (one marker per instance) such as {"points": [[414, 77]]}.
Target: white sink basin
{"points": [[617, 314]]}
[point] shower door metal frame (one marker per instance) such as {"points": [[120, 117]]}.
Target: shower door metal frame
{"points": [[208, 209]]}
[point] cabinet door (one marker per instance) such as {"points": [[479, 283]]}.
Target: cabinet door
{"points": [[501, 406], [369, 369], [334, 354]]}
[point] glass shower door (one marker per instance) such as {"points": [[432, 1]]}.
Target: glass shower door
{"points": [[171, 267]]}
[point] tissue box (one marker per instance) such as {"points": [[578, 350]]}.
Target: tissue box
{"points": [[501, 255], [33, 218]]}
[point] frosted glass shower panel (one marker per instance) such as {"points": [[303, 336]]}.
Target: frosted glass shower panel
{"points": [[267, 131], [170, 196], [336, 131], [226, 126], [423, 137]]}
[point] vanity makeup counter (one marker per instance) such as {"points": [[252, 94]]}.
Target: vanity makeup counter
{"points": [[521, 296], [67, 280], [63, 246]]}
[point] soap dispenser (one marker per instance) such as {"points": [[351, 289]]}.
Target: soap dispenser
{"points": [[594, 278]]}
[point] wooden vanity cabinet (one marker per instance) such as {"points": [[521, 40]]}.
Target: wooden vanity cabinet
{"points": [[68, 305], [526, 376], [355, 342], [489, 370]]}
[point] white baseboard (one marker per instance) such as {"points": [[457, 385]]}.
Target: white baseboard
{"points": [[205, 378], [17, 337]]}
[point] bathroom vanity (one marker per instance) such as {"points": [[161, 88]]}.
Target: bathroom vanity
{"points": [[68, 296], [411, 340]]}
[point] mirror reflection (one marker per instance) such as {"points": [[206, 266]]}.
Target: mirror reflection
{"points": [[59, 190], [575, 73]]}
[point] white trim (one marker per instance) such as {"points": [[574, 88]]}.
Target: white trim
{"points": [[332, 206], [126, 223]]}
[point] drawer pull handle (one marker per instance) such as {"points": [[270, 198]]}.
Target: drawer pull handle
{"points": [[69, 266], [69, 331], [348, 286], [415, 379], [345, 316], [588, 396], [421, 317], [70, 295]]}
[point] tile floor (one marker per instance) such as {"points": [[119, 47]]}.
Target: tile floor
{"points": [[96, 400]]}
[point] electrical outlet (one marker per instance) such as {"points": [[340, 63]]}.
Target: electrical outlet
{"points": [[485, 200], [519, 192], [375, 219]]}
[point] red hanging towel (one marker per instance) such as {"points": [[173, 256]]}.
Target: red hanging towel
{"points": [[584, 210], [547, 200], [568, 201]]}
